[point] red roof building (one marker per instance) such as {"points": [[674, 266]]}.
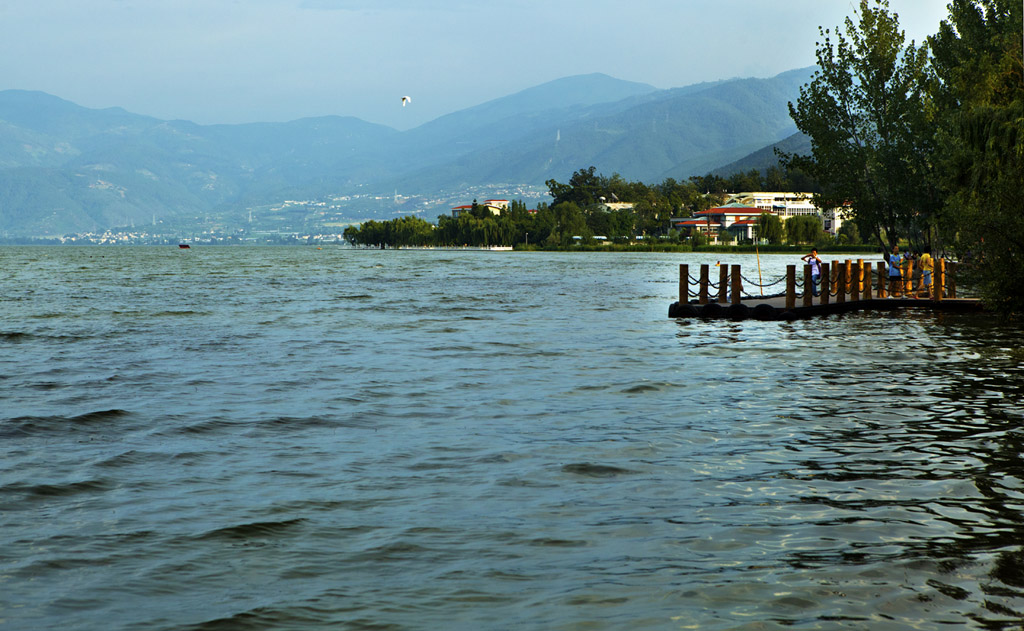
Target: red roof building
{"points": [[738, 219], [493, 205]]}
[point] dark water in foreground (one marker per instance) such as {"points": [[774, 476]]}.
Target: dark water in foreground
{"points": [[292, 438]]}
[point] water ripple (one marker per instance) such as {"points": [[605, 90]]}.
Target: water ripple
{"points": [[402, 440]]}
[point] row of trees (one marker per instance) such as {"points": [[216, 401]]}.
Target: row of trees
{"points": [[926, 142], [548, 225], [803, 229], [584, 207]]}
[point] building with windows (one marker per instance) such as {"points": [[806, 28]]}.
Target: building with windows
{"points": [[493, 205], [834, 219], [786, 205]]}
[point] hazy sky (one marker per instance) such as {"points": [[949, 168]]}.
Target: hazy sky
{"points": [[232, 61]]}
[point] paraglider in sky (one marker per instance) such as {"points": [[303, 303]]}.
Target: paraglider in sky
{"points": [[405, 100]]}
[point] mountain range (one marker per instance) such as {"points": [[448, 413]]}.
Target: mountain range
{"points": [[66, 168]]}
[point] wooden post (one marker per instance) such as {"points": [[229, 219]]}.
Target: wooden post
{"points": [[933, 292], [940, 279], [848, 268], [841, 282], [866, 273], [861, 275], [723, 283], [856, 280], [836, 287], [702, 291], [737, 285], [684, 283], [790, 287], [951, 279], [881, 279], [908, 285], [826, 283], [808, 287]]}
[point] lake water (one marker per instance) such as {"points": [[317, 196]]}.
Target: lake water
{"points": [[294, 438]]}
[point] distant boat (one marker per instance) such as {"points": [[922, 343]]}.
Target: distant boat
{"points": [[184, 246], [500, 248]]}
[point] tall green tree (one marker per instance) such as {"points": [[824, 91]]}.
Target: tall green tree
{"points": [[803, 229], [867, 114], [584, 188], [769, 228], [977, 59], [849, 233], [569, 222]]}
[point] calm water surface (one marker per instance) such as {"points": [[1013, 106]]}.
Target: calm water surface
{"points": [[293, 438]]}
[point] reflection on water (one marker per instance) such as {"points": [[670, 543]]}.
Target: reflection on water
{"points": [[296, 438]]}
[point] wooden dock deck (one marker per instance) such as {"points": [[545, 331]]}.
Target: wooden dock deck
{"points": [[844, 287]]}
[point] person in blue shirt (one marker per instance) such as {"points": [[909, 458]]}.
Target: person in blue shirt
{"points": [[815, 263], [895, 276]]}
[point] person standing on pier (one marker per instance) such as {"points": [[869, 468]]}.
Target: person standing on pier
{"points": [[927, 264], [895, 278], [815, 263]]}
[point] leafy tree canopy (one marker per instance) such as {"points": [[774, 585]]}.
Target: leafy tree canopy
{"points": [[769, 227], [868, 116], [979, 89]]}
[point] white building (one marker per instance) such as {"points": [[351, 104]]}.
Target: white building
{"points": [[493, 205], [787, 205], [612, 206]]}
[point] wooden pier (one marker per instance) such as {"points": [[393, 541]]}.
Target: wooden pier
{"points": [[844, 286]]}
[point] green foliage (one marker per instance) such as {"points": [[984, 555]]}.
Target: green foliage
{"points": [[849, 233], [584, 189], [515, 226], [569, 222], [803, 229], [868, 115], [980, 95], [769, 228], [403, 232], [653, 206], [790, 179], [926, 151]]}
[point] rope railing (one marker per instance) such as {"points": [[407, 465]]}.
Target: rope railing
{"points": [[842, 281], [764, 285]]}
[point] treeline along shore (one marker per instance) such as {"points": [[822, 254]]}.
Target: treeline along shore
{"points": [[587, 213]]}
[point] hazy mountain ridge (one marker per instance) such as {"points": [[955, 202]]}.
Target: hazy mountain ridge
{"points": [[66, 168], [674, 133], [765, 158]]}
